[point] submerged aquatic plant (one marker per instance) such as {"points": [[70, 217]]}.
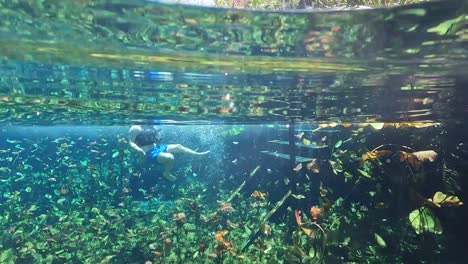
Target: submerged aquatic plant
{"points": [[423, 220]]}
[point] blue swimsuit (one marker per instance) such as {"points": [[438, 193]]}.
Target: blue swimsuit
{"points": [[154, 153]]}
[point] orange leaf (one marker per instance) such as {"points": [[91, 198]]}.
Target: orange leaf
{"points": [[416, 159], [315, 212], [220, 238], [372, 155], [260, 195]]}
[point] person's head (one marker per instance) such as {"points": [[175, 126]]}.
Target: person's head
{"points": [[150, 134]]}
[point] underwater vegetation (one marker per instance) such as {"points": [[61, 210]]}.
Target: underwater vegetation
{"points": [[372, 193]]}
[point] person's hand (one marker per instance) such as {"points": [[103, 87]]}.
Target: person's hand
{"points": [[142, 155]]}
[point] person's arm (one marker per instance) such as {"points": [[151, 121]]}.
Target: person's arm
{"points": [[132, 133]]}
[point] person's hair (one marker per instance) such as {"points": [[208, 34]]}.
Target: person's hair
{"points": [[148, 135]]}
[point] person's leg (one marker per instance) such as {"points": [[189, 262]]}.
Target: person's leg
{"points": [[167, 159], [177, 148]]}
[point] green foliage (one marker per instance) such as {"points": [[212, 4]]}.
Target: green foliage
{"points": [[258, 4], [295, 4], [423, 220]]}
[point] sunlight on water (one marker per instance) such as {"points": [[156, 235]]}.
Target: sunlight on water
{"points": [[134, 61]]}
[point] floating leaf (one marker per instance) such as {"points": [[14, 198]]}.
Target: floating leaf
{"points": [[377, 126], [306, 141], [372, 155], [423, 220], [416, 159], [426, 155], [443, 200]]}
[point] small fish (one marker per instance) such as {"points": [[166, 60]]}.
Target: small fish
{"points": [[92, 168], [5, 169], [300, 135], [235, 142], [65, 145], [59, 139], [234, 162], [298, 196], [298, 167], [380, 241], [313, 166]]}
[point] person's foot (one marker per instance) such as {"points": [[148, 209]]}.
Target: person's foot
{"points": [[169, 176], [202, 153]]}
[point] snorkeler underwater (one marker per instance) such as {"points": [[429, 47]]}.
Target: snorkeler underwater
{"points": [[147, 141], [148, 132]]}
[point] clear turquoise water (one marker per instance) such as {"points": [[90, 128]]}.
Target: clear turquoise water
{"points": [[288, 103]]}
